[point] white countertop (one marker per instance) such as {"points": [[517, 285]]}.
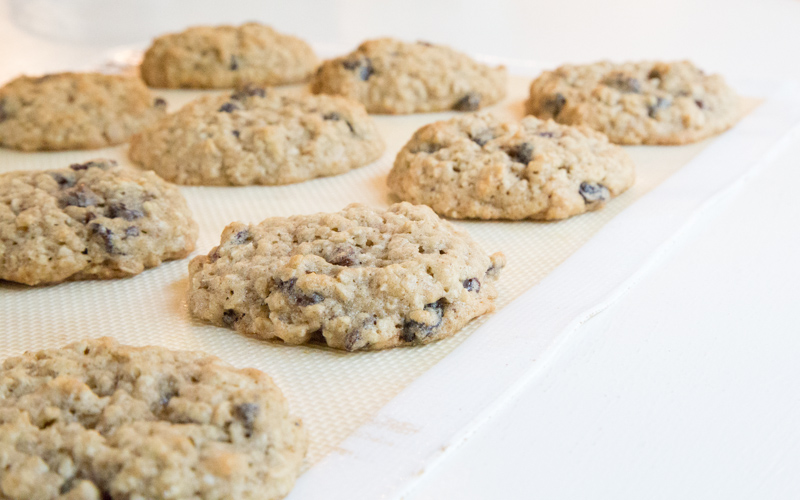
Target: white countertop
{"points": [[687, 386]]}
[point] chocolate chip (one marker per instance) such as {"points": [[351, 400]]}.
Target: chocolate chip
{"points": [[482, 137], [228, 107], [117, 210], [351, 339], [80, 196], [334, 116], [469, 102], [62, 180], [555, 104], [234, 63], [472, 285], [661, 103], [230, 317], [247, 413], [242, 237], [363, 66], [106, 234], [521, 153], [413, 329], [235, 133], [160, 103], [132, 232], [624, 83], [344, 256], [594, 193]]}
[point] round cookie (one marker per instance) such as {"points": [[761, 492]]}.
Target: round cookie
{"points": [[74, 111], [394, 77], [90, 221], [637, 103], [361, 278], [478, 167], [210, 57], [258, 137], [96, 419]]}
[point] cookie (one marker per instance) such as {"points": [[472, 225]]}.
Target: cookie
{"points": [[255, 136], [637, 103], [479, 167], [211, 57], [93, 220], [74, 111], [99, 420], [394, 77], [361, 278]]}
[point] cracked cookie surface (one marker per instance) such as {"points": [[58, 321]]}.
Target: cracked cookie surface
{"points": [[74, 111], [94, 220], [361, 278], [208, 57], [395, 77], [257, 136], [637, 103], [99, 420], [476, 166]]}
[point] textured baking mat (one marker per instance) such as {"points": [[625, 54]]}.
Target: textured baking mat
{"points": [[335, 393]]}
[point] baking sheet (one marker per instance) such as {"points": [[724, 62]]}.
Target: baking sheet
{"points": [[335, 393]]}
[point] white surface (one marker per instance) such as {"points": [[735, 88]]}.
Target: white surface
{"points": [[686, 388]]}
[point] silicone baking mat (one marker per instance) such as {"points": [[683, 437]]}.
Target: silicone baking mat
{"points": [[338, 395]]}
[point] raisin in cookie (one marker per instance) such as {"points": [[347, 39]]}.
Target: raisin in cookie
{"points": [[209, 57], [357, 279], [395, 77], [98, 420], [479, 167], [637, 103], [74, 111], [90, 221], [259, 137]]}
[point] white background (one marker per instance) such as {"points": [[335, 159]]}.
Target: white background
{"points": [[685, 388]]}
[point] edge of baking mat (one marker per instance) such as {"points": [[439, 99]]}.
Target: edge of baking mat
{"points": [[386, 457]]}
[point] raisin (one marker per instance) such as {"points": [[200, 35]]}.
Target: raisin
{"points": [[62, 180], [80, 196], [426, 147], [413, 329], [470, 102], [116, 210], [351, 339], [624, 83], [247, 413], [555, 104], [67, 485], [334, 116], [594, 193], [106, 234], [249, 90], [661, 103], [425, 44], [230, 317], [482, 137], [235, 133], [700, 104], [364, 67], [228, 107], [521, 153], [234, 63], [160, 103], [242, 237], [546, 134], [132, 232], [90, 164], [288, 288], [472, 285], [344, 256]]}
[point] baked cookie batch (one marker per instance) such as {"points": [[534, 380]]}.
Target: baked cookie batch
{"points": [[97, 420]]}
